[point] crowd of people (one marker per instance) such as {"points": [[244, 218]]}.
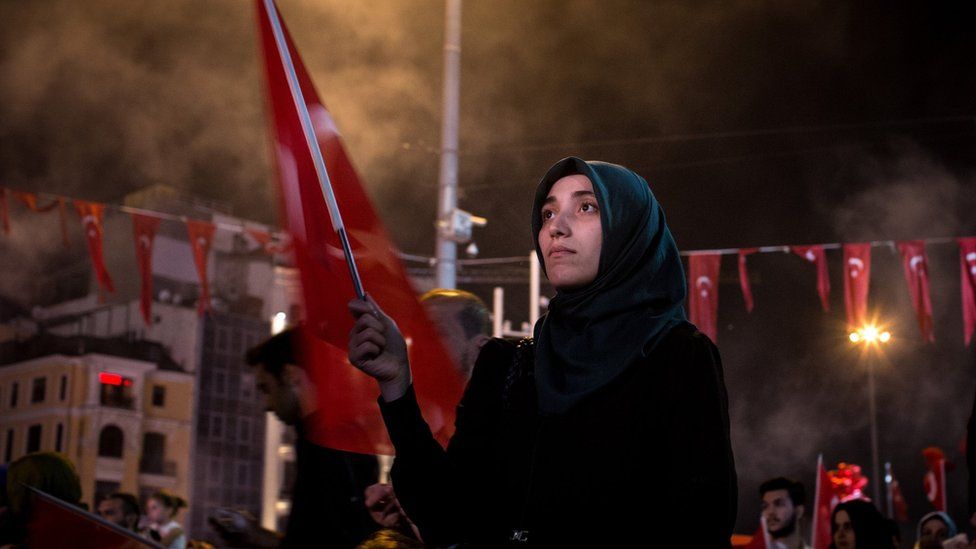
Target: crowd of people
{"points": [[55, 475], [549, 431]]}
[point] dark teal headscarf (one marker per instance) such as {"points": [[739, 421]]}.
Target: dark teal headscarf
{"points": [[593, 334]]}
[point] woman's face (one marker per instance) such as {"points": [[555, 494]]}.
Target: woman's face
{"points": [[844, 531], [571, 235], [156, 511], [934, 532]]}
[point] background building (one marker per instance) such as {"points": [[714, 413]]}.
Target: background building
{"points": [[120, 409], [205, 441]]}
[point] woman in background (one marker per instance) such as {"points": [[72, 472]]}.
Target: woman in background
{"points": [[161, 510]]}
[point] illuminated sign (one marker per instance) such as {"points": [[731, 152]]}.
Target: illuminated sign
{"points": [[108, 378]]}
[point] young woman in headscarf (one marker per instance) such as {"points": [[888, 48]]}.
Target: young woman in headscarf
{"points": [[857, 524], [611, 426]]}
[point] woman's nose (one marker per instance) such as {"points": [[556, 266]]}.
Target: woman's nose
{"points": [[559, 226]]}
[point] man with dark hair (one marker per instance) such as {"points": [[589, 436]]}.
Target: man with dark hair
{"points": [[122, 509], [783, 504], [327, 508]]}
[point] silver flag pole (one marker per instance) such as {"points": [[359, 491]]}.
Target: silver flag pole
{"points": [[313, 145]]}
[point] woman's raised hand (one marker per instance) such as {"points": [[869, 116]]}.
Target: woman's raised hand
{"points": [[376, 347]]}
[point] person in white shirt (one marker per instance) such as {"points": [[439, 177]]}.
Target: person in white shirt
{"points": [[161, 510]]}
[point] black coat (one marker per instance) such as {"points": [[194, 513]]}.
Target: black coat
{"points": [[646, 459], [327, 507]]}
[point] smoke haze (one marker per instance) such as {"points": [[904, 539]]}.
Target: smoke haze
{"points": [[869, 103]]}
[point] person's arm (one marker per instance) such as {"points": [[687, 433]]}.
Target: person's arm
{"points": [[431, 484], [445, 492], [703, 485]]}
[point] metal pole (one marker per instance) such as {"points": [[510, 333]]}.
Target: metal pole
{"points": [[447, 197], [889, 504], [875, 461], [498, 311], [534, 273]]}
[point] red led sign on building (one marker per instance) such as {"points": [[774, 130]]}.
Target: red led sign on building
{"points": [[107, 378]]}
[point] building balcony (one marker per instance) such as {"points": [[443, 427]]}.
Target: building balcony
{"points": [[157, 467], [118, 401]]}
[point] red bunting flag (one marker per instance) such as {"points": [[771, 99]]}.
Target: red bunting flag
{"points": [[934, 481], [857, 279], [351, 420], [815, 255], [30, 200], [744, 277], [916, 267], [824, 501], [703, 270], [4, 211], [91, 214], [201, 236], [967, 275], [144, 230]]}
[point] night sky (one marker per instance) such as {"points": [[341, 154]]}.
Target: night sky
{"points": [[756, 123]]}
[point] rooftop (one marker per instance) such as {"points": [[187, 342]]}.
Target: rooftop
{"points": [[46, 344]]}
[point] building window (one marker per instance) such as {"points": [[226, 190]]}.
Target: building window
{"points": [[8, 448], [38, 389], [116, 390], [59, 437], [33, 439], [153, 454], [242, 476], [220, 385], [245, 433], [63, 390], [203, 425], [110, 442], [217, 427], [14, 391], [159, 395]]}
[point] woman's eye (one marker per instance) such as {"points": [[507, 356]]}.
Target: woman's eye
{"points": [[588, 207], [546, 215]]}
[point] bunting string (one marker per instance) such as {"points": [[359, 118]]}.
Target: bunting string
{"points": [[703, 264]]}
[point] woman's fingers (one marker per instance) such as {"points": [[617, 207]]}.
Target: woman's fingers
{"points": [[358, 308], [367, 335], [365, 322], [361, 354]]}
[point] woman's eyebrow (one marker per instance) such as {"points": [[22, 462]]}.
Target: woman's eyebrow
{"points": [[576, 194]]}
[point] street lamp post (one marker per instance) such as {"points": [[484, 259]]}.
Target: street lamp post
{"points": [[871, 336]]}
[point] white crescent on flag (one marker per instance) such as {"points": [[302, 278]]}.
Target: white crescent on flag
{"points": [[703, 283], [811, 257], [931, 486], [914, 262], [856, 266]]}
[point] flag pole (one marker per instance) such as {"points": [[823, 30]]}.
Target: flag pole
{"points": [[313, 145], [816, 504]]}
